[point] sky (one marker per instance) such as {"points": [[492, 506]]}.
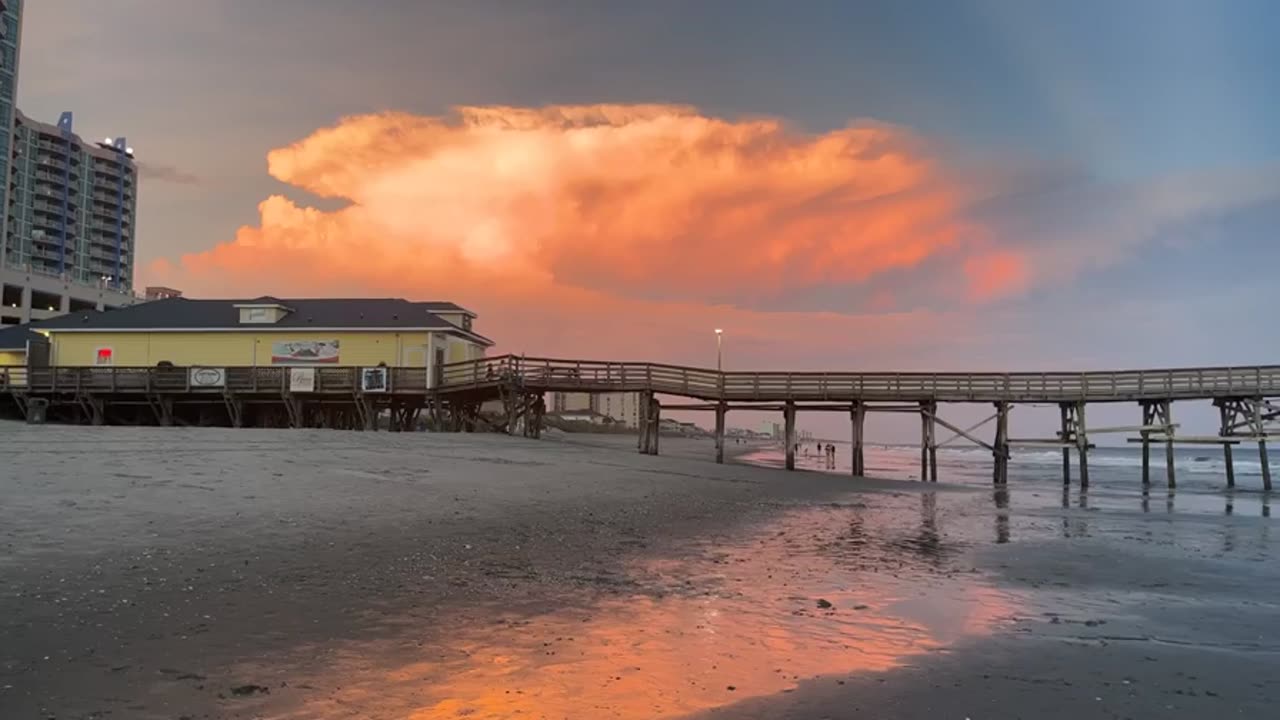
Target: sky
{"points": [[906, 184]]}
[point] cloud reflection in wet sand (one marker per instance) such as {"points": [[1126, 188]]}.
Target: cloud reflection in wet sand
{"points": [[730, 621]]}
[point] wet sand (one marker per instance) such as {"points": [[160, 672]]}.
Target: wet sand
{"points": [[212, 573]]}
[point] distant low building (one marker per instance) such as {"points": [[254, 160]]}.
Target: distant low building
{"points": [[584, 416], [158, 292], [620, 407], [675, 427]]}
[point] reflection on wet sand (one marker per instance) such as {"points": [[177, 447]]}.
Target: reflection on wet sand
{"points": [[821, 591]]}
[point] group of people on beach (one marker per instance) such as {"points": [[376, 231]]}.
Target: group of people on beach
{"points": [[828, 452]]}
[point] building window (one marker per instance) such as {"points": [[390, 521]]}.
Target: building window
{"points": [[103, 356]]}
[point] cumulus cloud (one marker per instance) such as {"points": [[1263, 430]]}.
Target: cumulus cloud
{"points": [[638, 201], [598, 229]]}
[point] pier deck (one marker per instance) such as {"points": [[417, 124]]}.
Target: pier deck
{"points": [[341, 397]]}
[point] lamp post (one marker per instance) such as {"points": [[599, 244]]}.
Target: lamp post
{"points": [[719, 350]]}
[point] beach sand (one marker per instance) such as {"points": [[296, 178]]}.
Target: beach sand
{"points": [[211, 573]]}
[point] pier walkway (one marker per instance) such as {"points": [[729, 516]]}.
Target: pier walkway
{"points": [[1241, 395], [456, 395]]}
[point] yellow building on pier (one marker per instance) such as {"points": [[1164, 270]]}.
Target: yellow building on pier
{"points": [[267, 331]]}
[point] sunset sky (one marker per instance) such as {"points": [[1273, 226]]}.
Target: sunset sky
{"points": [[904, 184]]}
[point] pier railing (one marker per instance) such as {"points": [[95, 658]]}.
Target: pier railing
{"points": [[182, 380], [548, 374], [545, 374]]}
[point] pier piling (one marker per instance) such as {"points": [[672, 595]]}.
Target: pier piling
{"points": [[1000, 448], [1259, 429], [858, 417], [928, 441], [789, 419], [1065, 436], [721, 409]]}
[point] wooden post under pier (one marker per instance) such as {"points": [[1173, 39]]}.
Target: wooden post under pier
{"points": [[858, 416], [1082, 444], [721, 409], [1145, 434], [1000, 448], [1167, 406], [644, 411], [1231, 466], [1224, 429], [1266, 464], [655, 423], [1066, 437], [928, 441], [924, 443], [789, 420], [1260, 431]]}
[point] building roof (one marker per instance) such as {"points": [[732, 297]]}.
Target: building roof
{"points": [[446, 307], [180, 313], [16, 337]]}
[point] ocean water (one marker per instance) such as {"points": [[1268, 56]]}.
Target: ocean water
{"points": [[1115, 474]]}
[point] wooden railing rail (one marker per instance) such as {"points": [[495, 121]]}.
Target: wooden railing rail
{"points": [[543, 374], [1097, 386]]}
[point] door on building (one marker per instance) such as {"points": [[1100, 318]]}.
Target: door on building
{"points": [[439, 368], [38, 353]]}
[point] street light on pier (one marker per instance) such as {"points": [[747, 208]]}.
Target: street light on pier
{"points": [[719, 350]]}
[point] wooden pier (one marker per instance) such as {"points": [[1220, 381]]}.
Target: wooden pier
{"points": [[454, 398], [1242, 394]]}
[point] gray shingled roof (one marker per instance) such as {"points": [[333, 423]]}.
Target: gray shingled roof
{"points": [[441, 306], [330, 313], [16, 337]]}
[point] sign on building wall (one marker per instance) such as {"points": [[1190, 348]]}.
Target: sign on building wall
{"points": [[207, 377], [304, 352], [373, 379], [302, 379]]}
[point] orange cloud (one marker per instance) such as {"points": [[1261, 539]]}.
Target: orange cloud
{"points": [[997, 274], [635, 210]]}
